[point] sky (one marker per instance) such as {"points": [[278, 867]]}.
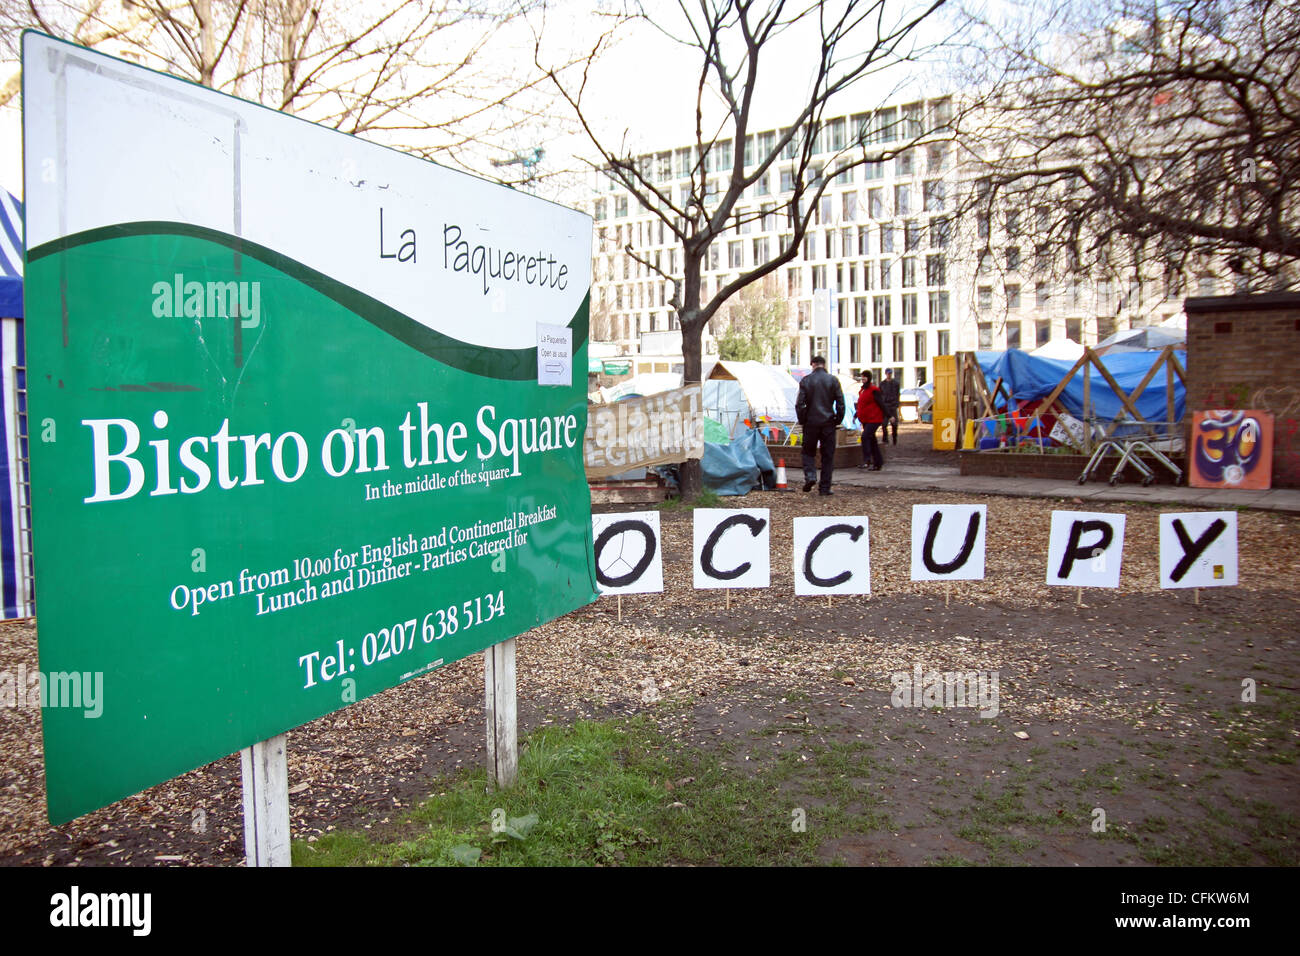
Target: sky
{"points": [[642, 91]]}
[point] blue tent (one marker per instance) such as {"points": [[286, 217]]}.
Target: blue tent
{"points": [[1027, 377], [15, 516]]}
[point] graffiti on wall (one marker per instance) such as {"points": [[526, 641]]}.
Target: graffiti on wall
{"points": [[1231, 448]]}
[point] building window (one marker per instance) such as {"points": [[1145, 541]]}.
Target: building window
{"points": [[941, 343], [877, 349], [810, 246], [735, 255], [849, 206], [1074, 329], [940, 233], [860, 311], [761, 250], [1013, 297], [985, 335], [818, 277], [918, 342], [855, 348], [1044, 329], [933, 193], [935, 159], [1042, 292], [909, 272], [876, 203], [884, 273], [898, 346], [939, 314], [886, 238], [911, 236], [1013, 258], [982, 225], [880, 312], [984, 298], [1013, 335], [873, 170], [934, 270], [902, 200], [600, 210], [903, 164], [787, 180], [620, 207], [886, 126], [864, 240], [909, 309]]}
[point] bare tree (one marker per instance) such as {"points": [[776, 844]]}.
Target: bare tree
{"points": [[856, 41], [413, 75], [1138, 140]]}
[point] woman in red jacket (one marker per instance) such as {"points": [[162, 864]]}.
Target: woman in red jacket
{"points": [[871, 414]]}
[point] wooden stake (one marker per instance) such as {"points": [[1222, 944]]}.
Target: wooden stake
{"points": [[1078, 597], [1196, 595], [265, 768], [728, 599], [499, 707], [620, 609], [947, 593]]}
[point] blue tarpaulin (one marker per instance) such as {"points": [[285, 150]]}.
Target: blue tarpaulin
{"points": [[11, 257], [1028, 378], [740, 466], [15, 562]]}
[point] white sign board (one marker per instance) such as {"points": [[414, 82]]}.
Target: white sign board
{"points": [[948, 542], [629, 557], [1198, 549], [731, 548], [1084, 549], [832, 555], [554, 354]]}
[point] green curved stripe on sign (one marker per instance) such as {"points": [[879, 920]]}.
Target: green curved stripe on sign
{"points": [[512, 365]]}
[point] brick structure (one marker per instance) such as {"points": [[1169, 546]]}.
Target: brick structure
{"points": [[1243, 351]]}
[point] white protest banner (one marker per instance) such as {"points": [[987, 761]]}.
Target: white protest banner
{"points": [[638, 432], [1084, 549], [948, 542], [1198, 549], [832, 555], [731, 548], [629, 559]]}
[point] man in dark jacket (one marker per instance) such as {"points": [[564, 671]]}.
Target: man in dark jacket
{"points": [[820, 409], [889, 398]]}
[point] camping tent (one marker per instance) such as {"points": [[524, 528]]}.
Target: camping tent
{"points": [[734, 391], [15, 522], [1028, 378]]}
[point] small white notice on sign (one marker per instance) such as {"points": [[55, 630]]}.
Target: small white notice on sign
{"points": [[554, 354]]}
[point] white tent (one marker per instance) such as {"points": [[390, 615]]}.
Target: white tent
{"points": [[734, 391], [1066, 349]]}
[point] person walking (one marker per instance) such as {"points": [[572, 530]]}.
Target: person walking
{"points": [[889, 398], [820, 409], [871, 413]]}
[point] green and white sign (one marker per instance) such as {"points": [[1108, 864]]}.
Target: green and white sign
{"points": [[290, 441]]}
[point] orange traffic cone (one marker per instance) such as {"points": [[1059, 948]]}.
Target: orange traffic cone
{"points": [[780, 475]]}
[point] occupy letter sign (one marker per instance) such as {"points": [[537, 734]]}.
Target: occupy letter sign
{"points": [[1085, 548], [1198, 549], [303, 449]]}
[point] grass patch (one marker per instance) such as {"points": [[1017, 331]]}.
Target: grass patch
{"points": [[601, 793]]}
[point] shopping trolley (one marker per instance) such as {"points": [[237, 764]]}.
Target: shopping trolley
{"points": [[1130, 439]]}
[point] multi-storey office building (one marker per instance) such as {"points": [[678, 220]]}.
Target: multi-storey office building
{"points": [[908, 278]]}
